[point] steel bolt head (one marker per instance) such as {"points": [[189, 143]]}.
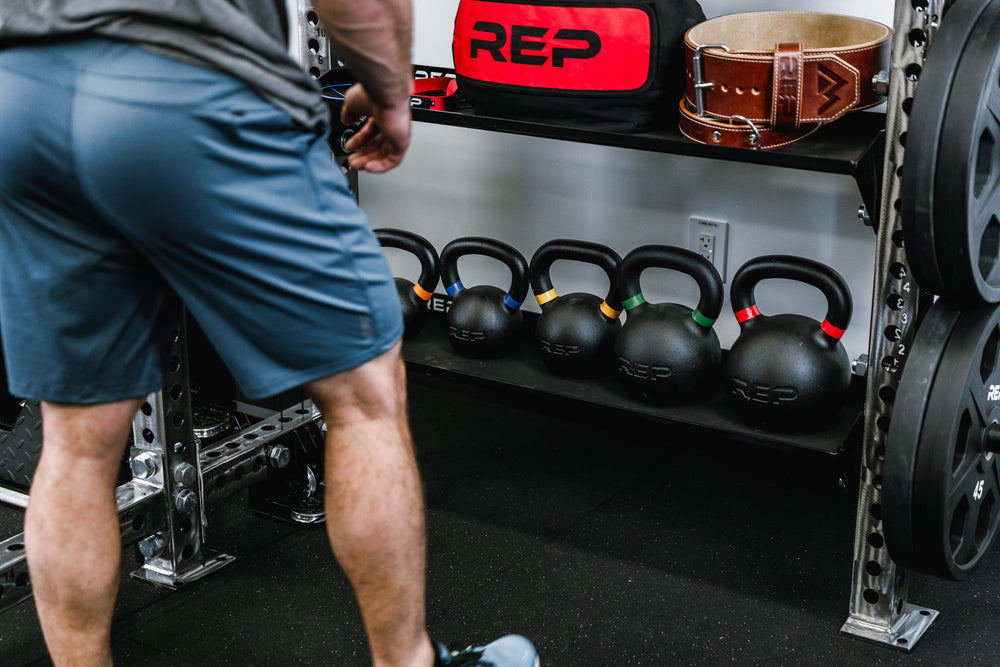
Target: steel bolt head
{"points": [[279, 456], [145, 465], [152, 546], [186, 474], [185, 501]]}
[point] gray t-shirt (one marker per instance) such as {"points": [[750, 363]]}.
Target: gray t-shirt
{"points": [[246, 39]]}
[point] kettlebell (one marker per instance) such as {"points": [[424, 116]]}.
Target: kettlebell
{"points": [[484, 322], [667, 353], [413, 297], [788, 372], [575, 333]]}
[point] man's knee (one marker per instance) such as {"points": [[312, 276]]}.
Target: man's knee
{"points": [[374, 390]]}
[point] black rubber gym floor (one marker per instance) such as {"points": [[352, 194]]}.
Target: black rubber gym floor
{"points": [[609, 542]]}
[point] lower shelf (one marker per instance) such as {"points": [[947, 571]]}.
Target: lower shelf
{"points": [[523, 371]]}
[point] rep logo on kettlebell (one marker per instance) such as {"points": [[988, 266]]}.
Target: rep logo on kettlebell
{"points": [[484, 321], [668, 353], [788, 372]]}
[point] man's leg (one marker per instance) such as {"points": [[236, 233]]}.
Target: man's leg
{"points": [[72, 535], [374, 505]]}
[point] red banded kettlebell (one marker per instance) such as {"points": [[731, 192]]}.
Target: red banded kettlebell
{"points": [[668, 353], [788, 372], [413, 297], [575, 333], [484, 321]]}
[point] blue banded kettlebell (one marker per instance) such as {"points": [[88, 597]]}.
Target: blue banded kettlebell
{"points": [[575, 333], [788, 372], [484, 321], [668, 353], [413, 297]]}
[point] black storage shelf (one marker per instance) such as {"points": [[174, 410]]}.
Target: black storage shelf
{"points": [[842, 147], [430, 353]]}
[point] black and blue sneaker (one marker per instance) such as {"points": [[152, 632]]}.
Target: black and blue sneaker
{"points": [[508, 651]]}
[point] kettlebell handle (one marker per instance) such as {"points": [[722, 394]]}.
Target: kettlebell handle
{"points": [[480, 245], [828, 281], [423, 250], [582, 251], [680, 259]]}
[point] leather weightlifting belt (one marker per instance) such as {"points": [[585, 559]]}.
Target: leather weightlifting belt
{"points": [[766, 79]]}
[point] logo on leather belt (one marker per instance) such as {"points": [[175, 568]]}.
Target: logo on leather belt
{"points": [[788, 88], [827, 85]]}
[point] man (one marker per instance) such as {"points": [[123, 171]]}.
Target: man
{"points": [[151, 150]]}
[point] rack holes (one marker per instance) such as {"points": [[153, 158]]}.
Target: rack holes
{"points": [[882, 424], [214, 454], [313, 45], [887, 394], [897, 238], [897, 270], [284, 420], [312, 18], [913, 71], [17, 546], [146, 409], [895, 302], [919, 5], [879, 456], [917, 37], [877, 482], [268, 427], [871, 596], [893, 333], [875, 511], [315, 72], [924, 612], [174, 364], [897, 205], [232, 445], [250, 436], [138, 522], [876, 541], [177, 419], [176, 392], [899, 171], [902, 139], [873, 568], [148, 435], [301, 411], [907, 105]]}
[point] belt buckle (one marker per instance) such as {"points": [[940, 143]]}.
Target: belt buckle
{"points": [[699, 77]]}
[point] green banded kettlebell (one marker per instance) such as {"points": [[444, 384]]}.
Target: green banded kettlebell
{"points": [[668, 353], [484, 321], [788, 372], [575, 333], [413, 297]]}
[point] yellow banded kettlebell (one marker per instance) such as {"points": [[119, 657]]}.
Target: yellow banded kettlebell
{"points": [[413, 297], [575, 333]]}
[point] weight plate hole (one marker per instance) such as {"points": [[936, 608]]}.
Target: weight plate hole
{"points": [[984, 162], [959, 519], [990, 350], [989, 247], [961, 440], [985, 520]]}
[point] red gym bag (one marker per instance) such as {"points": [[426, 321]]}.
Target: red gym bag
{"points": [[594, 64]]}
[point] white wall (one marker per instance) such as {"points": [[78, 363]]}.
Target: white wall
{"points": [[525, 191]]}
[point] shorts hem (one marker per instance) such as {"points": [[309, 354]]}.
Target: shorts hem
{"points": [[75, 397], [299, 378]]}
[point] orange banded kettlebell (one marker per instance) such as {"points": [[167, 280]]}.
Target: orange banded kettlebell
{"points": [[413, 297]]}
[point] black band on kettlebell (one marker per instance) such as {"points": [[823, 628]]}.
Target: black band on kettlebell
{"points": [[679, 259], [801, 269], [582, 251], [424, 252], [479, 245]]}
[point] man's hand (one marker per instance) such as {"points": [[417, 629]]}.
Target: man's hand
{"points": [[382, 141]]}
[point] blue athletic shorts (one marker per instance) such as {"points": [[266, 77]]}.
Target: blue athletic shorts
{"points": [[128, 180]]}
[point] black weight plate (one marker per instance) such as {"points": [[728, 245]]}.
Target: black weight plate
{"points": [[910, 405], [923, 137], [956, 483], [967, 182]]}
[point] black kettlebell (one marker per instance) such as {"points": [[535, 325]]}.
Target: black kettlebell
{"points": [[668, 353], [484, 321], [575, 333], [788, 372], [413, 297]]}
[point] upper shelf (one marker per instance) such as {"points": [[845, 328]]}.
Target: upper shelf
{"points": [[838, 148]]}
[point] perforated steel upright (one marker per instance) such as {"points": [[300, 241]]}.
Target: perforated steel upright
{"points": [[879, 611]]}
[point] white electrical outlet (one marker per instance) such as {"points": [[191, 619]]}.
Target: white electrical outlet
{"points": [[710, 239]]}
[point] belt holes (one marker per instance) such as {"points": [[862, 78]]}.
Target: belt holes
{"points": [[725, 88], [755, 90], [739, 90]]}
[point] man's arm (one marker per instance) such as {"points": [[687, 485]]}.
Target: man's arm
{"points": [[373, 38]]}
